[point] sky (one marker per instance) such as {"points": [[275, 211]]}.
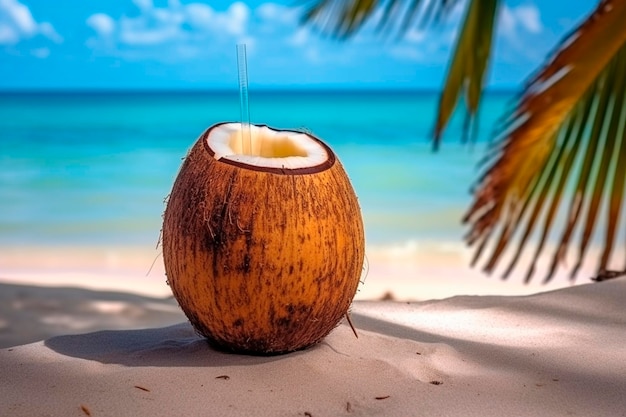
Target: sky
{"points": [[191, 44]]}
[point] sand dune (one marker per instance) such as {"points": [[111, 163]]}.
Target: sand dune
{"points": [[551, 354]]}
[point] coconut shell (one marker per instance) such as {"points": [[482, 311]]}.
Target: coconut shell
{"points": [[262, 260]]}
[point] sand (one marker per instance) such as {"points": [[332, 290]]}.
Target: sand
{"points": [[556, 353], [33, 313], [410, 271]]}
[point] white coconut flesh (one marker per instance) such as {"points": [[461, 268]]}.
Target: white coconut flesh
{"points": [[266, 147]]}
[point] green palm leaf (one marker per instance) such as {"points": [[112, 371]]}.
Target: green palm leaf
{"points": [[469, 63], [342, 18], [565, 137], [561, 149]]}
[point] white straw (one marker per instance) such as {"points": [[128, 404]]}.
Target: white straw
{"points": [[242, 66]]}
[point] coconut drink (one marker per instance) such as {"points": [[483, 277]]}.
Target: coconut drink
{"points": [[263, 244]]}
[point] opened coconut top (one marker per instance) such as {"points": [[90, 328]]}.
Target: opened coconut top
{"points": [[268, 149]]}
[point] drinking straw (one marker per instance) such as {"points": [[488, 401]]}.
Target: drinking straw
{"points": [[242, 66]]}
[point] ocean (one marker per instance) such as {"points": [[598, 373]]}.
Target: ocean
{"points": [[94, 168]]}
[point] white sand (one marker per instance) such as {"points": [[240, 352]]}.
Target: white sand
{"points": [[30, 313], [410, 272], [552, 354], [136, 269]]}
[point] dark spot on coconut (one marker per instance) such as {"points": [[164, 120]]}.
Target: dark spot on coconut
{"points": [[238, 322], [337, 283], [304, 309], [272, 314], [290, 269], [209, 241], [283, 322], [216, 228], [246, 263]]}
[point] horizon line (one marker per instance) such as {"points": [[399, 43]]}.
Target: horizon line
{"points": [[186, 90]]}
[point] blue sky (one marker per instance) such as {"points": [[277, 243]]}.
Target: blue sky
{"points": [[189, 44]]}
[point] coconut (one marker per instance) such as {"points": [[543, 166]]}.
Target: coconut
{"points": [[263, 249]]}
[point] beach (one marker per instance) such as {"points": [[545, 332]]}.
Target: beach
{"points": [[557, 353], [42, 286], [85, 176], [88, 324]]}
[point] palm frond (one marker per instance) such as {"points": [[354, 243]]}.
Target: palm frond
{"points": [[342, 18], [565, 139], [469, 63]]}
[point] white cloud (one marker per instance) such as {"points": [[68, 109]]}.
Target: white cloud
{"points": [[48, 31], [199, 15], [514, 21], [518, 27], [133, 36], [528, 17], [103, 24], [408, 53], [20, 16], [515, 26], [300, 37], [183, 30], [430, 45], [273, 13], [180, 32], [235, 18], [506, 23], [17, 24], [414, 35], [143, 4], [233, 21], [8, 35]]}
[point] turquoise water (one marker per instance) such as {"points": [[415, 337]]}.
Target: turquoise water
{"points": [[94, 168]]}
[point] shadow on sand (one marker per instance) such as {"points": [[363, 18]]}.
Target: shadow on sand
{"points": [[176, 345]]}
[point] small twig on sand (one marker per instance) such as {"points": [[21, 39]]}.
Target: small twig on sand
{"points": [[605, 274], [351, 325]]}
